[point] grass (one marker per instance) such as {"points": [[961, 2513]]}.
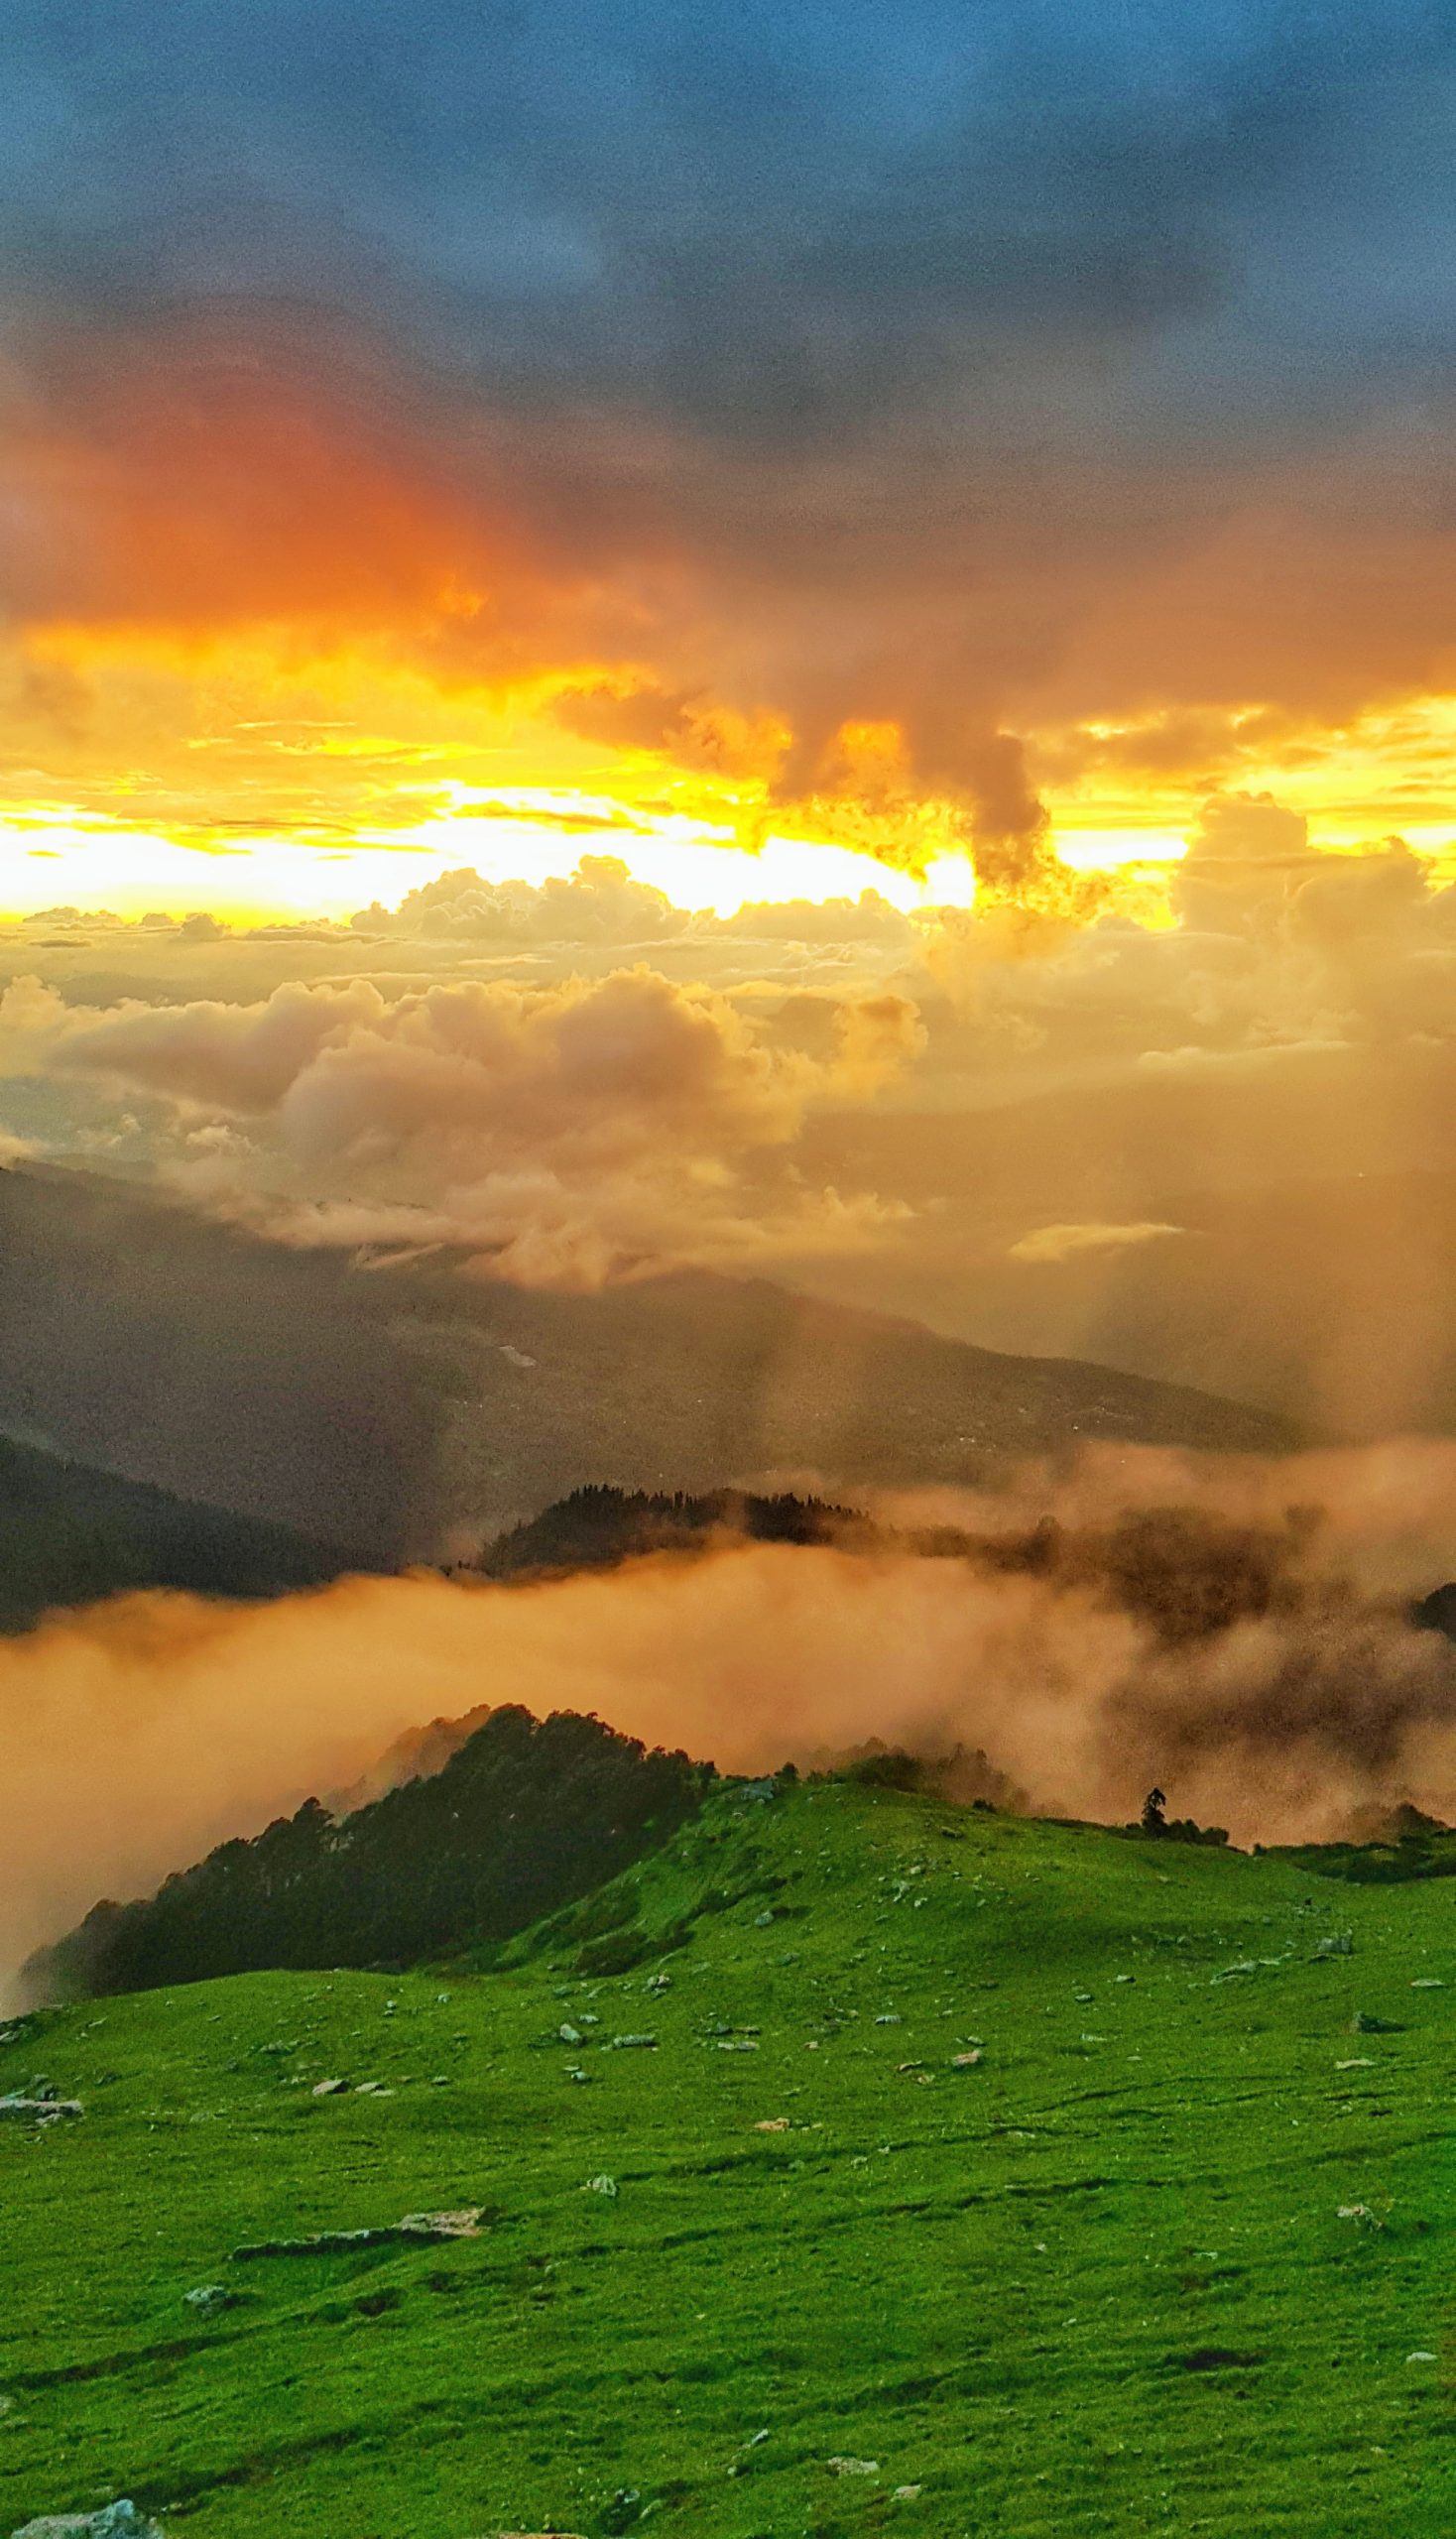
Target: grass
{"points": [[1097, 2283]]}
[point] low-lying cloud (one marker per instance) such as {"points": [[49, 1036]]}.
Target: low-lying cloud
{"points": [[1141, 1619]]}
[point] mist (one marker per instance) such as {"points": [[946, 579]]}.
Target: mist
{"points": [[1277, 1688]]}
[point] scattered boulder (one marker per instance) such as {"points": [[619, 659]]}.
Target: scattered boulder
{"points": [[1335, 1944], [772, 2125], [845, 2464], [329, 2089], [601, 2185], [119, 2520], [967, 2062], [1365, 2023], [37, 2111], [208, 2298], [620, 2041], [383, 2235], [463, 2224]]}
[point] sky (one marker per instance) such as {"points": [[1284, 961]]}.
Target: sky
{"points": [[804, 639], [708, 640], [785, 445]]}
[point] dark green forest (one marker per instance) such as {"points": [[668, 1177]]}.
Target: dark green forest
{"points": [[527, 1816], [69, 1534], [598, 1527]]}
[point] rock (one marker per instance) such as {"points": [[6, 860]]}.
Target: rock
{"points": [[1357, 2063], [1365, 2023], [376, 2234], [329, 2089], [569, 2035], [1359, 2212], [39, 2111], [120, 2520], [967, 2062], [1248, 1966], [904, 2494], [1422, 2354], [208, 2298], [1337, 1944], [772, 2125], [658, 1983], [1427, 1982], [761, 1921], [601, 2186], [738, 2044], [844, 2465], [463, 2224], [633, 2040], [888, 2018], [909, 2067]]}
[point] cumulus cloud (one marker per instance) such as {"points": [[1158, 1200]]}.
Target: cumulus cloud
{"points": [[569, 1133], [599, 903]]}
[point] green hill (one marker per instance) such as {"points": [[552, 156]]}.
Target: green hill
{"points": [[523, 1816], [757, 2252], [69, 1533]]}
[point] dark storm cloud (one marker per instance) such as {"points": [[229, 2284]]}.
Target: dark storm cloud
{"points": [[740, 377], [778, 223]]}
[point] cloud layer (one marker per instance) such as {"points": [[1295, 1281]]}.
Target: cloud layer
{"points": [[1258, 1670], [567, 1132]]}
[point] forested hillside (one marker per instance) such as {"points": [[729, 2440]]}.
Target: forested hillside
{"points": [[69, 1534], [524, 1816]]}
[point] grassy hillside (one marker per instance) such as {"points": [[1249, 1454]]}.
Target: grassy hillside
{"points": [[69, 1534], [1099, 2281]]}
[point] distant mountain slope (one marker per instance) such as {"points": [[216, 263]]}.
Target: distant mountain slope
{"points": [[1312, 1269], [69, 1534], [401, 1411]]}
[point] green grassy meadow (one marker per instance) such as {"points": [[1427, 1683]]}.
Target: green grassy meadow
{"points": [[1096, 2282]]}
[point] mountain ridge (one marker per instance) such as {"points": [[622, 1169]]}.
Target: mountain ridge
{"points": [[401, 1411]]}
